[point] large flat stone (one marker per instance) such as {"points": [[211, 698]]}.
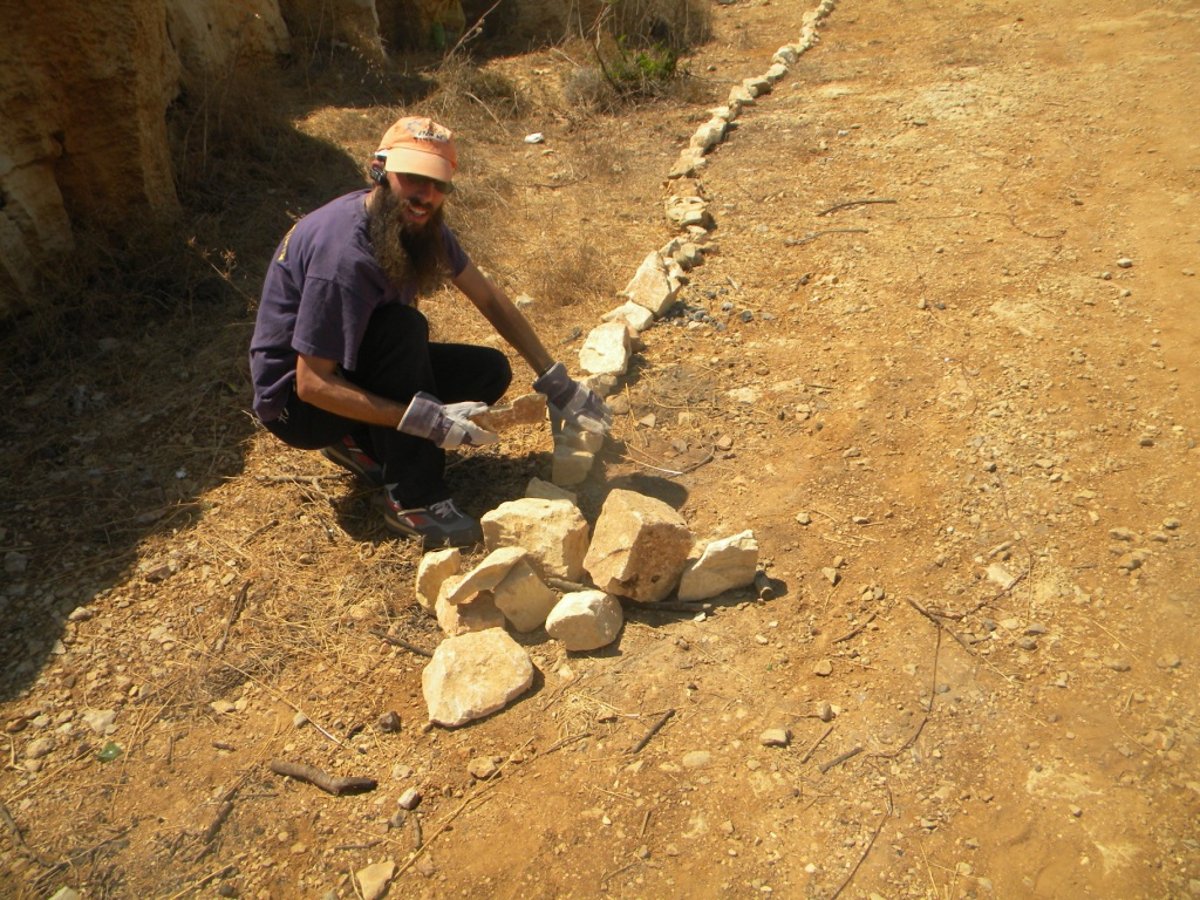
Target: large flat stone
{"points": [[474, 675]]}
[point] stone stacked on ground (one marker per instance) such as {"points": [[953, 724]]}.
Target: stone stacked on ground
{"points": [[639, 548], [723, 565], [433, 569], [585, 620], [553, 533], [523, 598], [473, 675]]}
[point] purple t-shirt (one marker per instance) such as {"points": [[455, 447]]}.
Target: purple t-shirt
{"points": [[320, 291]]}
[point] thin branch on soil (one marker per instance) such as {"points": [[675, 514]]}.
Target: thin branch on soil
{"points": [[848, 203], [399, 642], [235, 611], [19, 839], [336, 785], [266, 526], [210, 877], [645, 822], [855, 632], [654, 729], [809, 236], [839, 759], [892, 754], [567, 741], [815, 744], [270, 690], [613, 874], [871, 843], [961, 641]]}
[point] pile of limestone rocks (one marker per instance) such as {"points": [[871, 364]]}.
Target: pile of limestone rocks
{"points": [[641, 550], [544, 571]]}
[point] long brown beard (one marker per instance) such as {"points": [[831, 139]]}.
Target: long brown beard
{"points": [[406, 256]]}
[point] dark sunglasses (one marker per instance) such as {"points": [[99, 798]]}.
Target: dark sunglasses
{"points": [[442, 187]]}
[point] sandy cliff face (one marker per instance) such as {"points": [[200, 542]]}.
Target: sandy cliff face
{"points": [[83, 101], [85, 87]]}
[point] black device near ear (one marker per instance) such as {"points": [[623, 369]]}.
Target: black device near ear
{"points": [[378, 173]]}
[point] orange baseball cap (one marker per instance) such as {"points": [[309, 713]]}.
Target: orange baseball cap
{"points": [[419, 146]]}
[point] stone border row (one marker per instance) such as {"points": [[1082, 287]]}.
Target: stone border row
{"points": [[654, 287]]}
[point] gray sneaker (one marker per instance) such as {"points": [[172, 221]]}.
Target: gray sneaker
{"points": [[436, 525]]}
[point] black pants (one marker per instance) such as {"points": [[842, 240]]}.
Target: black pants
{"points": [[396, 360]]}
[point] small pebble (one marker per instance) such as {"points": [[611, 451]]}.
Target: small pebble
{"points": [[825, 712], [775, 737], [410, 799], [803, 518], [389, 722], [1125, 262], [823, 668]]}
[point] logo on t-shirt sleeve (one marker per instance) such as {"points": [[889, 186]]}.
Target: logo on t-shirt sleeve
{"points": [[283, 247]]}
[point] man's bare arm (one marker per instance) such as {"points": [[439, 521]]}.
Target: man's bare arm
{"points": [[509, 322], [320, 383]]}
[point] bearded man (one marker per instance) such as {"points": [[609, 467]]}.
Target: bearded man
{"points": [[341, 358]]}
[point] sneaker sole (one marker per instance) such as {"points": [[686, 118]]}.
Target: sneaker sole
{"points": [[351, 466]]}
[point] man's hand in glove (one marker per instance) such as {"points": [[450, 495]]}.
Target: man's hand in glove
{"points": [[447, 425], [570, 400]]}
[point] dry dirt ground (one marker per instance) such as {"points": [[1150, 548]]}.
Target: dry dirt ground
{"points": [[959, 412]]}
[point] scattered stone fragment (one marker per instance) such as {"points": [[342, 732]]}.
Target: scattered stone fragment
{"points": [[697, 759], [1001, 576], [1168, 662], [1125, 262], [1027, 643], [1122, 534], [724, 565], [473, 675], [1171, 524], [299, 720], [553, 533], [585, 620], [39, 747], [832, 575], [823, 668], [825, 711], [389, 722], [100, 720], [524, 598], [373, 880], [433, 569], [775, 737], [485, 576], [606, 349], [483, 767], [803, 518], [1117, 665], [410, 799], [639, 548]]}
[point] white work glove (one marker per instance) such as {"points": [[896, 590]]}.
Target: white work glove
{"points": [[447, 425], [570, 400]]}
